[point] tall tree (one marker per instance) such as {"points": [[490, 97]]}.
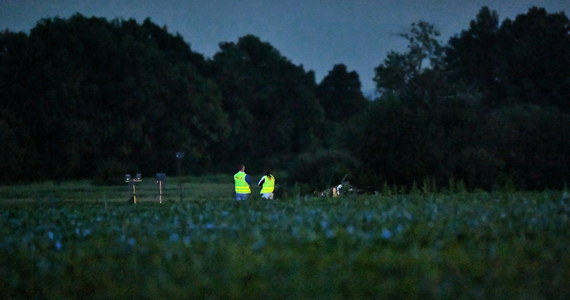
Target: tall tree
{"points": [[271, 102], [340, 95], [472, 57], [87, 91], [535, 59], [416, 74], [16, 157]]}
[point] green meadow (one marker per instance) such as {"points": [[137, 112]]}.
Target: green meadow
{"points": [[77, 240]]}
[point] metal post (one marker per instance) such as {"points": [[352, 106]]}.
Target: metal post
{"points": [[132, 182], [160, 177], [179, 156], [134, 193], [160, 192]]}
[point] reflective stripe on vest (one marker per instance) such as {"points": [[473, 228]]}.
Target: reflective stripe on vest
{"points": [[268, 185], [242, 187]]}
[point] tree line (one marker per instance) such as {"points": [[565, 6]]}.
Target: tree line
{"points": [[85, 97]]}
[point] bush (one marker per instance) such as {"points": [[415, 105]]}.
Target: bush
{"points": [[534, 144], [479, 168], [322, 169]]}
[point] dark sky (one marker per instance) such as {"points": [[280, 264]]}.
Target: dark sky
{"points": [[315, 33]]}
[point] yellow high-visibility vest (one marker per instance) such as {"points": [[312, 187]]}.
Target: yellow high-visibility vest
{"points": [[268, 185], [242, 187]]}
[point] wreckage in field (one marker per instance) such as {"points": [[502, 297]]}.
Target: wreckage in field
{"points": [[342, 189]]}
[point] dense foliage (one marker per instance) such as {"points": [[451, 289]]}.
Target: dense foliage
{"points": [[83, 93], [273, 111], [422, 245], [490, 108], [86, 97]]}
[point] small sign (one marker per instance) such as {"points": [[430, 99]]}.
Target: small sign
{"points": [[128, 178]]}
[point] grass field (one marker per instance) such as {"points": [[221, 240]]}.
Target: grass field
{"points": [[75, 240]]}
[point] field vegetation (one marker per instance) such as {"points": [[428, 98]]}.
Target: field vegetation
{"points": [[72, 240]]}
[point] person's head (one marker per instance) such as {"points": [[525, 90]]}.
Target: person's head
{"points": [[241, 167], [268, 173]]}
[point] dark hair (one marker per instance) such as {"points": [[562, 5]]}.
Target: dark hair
{"points": [[241, 166], [268, 173]]}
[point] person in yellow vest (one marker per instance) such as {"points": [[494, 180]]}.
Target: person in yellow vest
{"points": [[242, 182], [267, 184]]}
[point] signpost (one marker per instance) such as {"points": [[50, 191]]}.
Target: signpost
{"points": [[160, 178], [179, 156], [133, 182]]}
